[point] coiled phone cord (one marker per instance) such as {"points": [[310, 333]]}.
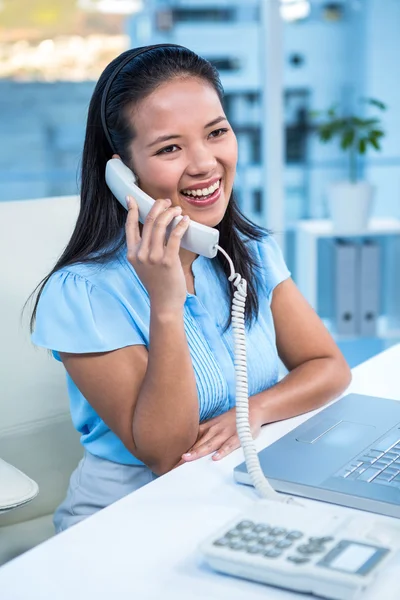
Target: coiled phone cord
{"points": [[258, 479]]}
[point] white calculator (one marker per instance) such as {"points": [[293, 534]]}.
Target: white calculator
{"points": [[297, 548]]}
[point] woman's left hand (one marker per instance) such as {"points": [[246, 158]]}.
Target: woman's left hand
{"points": [[219, 435]]}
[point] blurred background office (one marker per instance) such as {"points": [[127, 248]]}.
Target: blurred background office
{"points": [[327, 184]]}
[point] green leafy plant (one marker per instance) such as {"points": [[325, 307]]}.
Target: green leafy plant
{"points": [[356, 134]]}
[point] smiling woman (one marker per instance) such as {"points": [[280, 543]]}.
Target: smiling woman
{"points": [[141, 324]]}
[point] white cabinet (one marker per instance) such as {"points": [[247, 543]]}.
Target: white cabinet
{"points": [[308, 233]]}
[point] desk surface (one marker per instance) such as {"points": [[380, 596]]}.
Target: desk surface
{"points": [[144, 546]]}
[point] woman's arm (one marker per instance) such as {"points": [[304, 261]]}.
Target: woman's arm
{"points": [[166, 417], [317, 373], [148, 399], [317, 369]]}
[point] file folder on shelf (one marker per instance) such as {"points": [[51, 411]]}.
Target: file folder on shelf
{"points": [[346, 284], [369, 290]]}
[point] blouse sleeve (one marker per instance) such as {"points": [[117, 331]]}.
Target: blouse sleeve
{"points": [[75, 316], [273, 265]]}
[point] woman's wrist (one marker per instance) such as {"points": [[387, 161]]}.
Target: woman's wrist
{"points": [[257, 411], [166, 316]]}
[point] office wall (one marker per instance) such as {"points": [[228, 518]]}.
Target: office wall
{"points": [[383, 81], [355, 58], [327, 51]]}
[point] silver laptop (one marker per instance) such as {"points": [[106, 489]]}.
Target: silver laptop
{"points": [[348, 454]]}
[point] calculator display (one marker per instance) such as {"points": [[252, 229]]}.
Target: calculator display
{"points": [[353, 557]]}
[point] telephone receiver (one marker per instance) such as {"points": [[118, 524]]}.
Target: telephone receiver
{"points": [[198, 238]]}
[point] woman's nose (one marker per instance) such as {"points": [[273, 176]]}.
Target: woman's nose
{"points": [[201, 161]]}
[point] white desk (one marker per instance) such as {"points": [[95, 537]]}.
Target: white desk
{"points": [[144, 546]]}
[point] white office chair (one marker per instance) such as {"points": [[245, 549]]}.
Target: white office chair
{"points": [[36, 433], [16, 488]]}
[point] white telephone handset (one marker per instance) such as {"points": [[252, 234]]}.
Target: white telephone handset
{"points": [[198, 238]]}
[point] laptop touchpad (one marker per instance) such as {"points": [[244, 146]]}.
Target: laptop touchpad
{"points": [[334, 432]]}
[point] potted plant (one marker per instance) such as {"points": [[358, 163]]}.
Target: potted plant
{"points": [[350, 201]]}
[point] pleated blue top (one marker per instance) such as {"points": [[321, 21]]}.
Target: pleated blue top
{"points": [[91, 308]]}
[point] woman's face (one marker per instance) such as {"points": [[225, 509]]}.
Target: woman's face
{"points": [[185, 149]]}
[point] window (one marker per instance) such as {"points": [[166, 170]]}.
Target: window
{"points": [[203, 15], [296, 125], [225, 64], [256, 147], [257, 201], [227, 104]]}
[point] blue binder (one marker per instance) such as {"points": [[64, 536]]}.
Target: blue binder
{"points": [[369, 288], [346, 287]]}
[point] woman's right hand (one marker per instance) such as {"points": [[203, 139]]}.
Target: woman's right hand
{"points": [[158, 264]]}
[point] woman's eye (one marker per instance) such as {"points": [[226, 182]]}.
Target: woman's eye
{"points": [[167, 150], [218, 132]]}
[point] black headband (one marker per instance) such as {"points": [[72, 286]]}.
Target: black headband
{"points": [[135, 52]]}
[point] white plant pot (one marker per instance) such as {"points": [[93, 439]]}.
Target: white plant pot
{"points": [[350, 205]]}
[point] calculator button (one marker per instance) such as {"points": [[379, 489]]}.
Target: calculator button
{"points": [[298, 560], [256, 549], [294, 535], [266, 540], [233, 533], [261, 528], [237, 545], [311, 549], [272, 553], [222, 542], [277, 531], [320, 540], [249, 543], [249, 536], [245, 525], [283, 544]]}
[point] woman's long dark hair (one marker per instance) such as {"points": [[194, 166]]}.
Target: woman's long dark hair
{"points": [[98, 233]]}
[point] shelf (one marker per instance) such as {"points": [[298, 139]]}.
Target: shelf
{"points": [[383, 331], [308, 233], [324, 228]]}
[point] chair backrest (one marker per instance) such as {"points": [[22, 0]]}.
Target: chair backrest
{"points": [[36, 433]]}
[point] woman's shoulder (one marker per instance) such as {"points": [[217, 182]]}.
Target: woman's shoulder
{"points": [[80, 283], [102, 273], [90, 307], [263, 245], [92, 271], [269, 257]]}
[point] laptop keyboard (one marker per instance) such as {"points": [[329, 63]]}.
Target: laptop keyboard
{"points": [[379, 464]]}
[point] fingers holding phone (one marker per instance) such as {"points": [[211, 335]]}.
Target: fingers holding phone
{"points": [[156, 260]]}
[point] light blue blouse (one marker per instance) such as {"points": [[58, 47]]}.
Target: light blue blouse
{"points": [[92, 308]]}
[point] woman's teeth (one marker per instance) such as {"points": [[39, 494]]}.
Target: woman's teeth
{"points": [[202, 192]]}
